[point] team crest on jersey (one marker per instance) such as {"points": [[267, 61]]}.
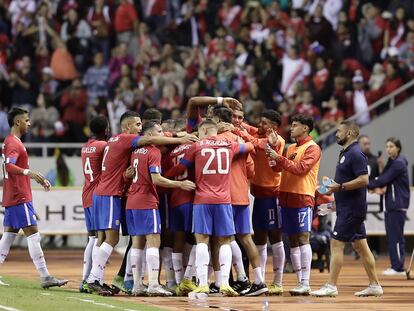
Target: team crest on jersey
{"points": [[292, 156], [342, 160]]}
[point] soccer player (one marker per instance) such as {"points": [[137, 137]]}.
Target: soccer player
{"points": [[91, 155], [181, 220], [212, 211], [242, 169], [350, 188], [300, 168], [17, 197], [107, 195], [264, 187], [142, 211]]}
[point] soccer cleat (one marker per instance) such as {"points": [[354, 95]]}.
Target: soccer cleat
{"points": [[392, 272], [128, 285], [97, 288], [200, 292], [372, 290], [300, 290], [275, 290], [113, 290], [325, 291], [185, 287], [256, 290], [117, 285], [51, 281], [172, 289], [241, 286], [214, 290], [158, 290], [139, 290], [83, 288], [226, 290]]}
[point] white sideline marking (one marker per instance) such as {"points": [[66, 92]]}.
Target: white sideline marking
{"points": [[8, 308], [100, 304], [46, 294]]}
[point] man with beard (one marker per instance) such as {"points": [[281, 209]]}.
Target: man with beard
{"points": [[350, 188]]}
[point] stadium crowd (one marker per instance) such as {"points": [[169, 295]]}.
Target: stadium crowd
{"points": [[68, 61]]}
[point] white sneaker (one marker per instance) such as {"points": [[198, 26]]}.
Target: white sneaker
{"points": [[391, 271], [139, 290], [372, 290], [325, 291], [157, 290], [300, 290]]}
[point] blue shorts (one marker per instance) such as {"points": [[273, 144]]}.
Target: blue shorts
{"points": [[266, 214], [213, 219], [143, 221], [20, 216], [89, 219], [181, 219], [296, 220], [164, 210], [241, 218], [106, 212], [349, 228]]}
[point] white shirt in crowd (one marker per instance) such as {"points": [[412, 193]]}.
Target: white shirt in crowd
{"points": [[361, 105], [294, 70]]}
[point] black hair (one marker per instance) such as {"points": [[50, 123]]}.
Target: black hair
{"points": [[129, 114], [148, 126], [272, 115], [152, 114], [98, 125], [13, 113], [396, 141], [362, 136], [224, 114], [304, 119]]}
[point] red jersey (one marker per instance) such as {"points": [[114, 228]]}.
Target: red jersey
{"points": [[143, 193], [114, 163], [179, 196], [16, 188], [212, 158], [91, 155]]}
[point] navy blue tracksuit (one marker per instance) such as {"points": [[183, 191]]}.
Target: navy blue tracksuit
{"points": [[397, 200]]}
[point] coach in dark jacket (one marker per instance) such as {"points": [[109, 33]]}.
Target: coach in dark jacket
{"points": [[397, 199]]}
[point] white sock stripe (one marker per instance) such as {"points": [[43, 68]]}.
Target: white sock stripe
{"points": [[309, 219]]}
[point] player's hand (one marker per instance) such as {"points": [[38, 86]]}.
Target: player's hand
{"points": [[181, 134], [325, 209], [46, 185], [380, 191], [232, 103], [271, 153], [188, 138], [272, 137], [187, 185], [130, 172], [40, 179], [334, 187]]}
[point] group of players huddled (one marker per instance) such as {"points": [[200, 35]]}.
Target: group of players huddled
{"points": [[184, 192]]}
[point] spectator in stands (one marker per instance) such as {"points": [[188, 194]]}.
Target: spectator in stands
{"points": [[295, 69], [333, 115], [307, 107], [22, 83], [360, 101], [76, 33], [48, 85], [99, 20], [126, 25], [397, 199], [119, 57], [4, 124], [43, 118], [96, 78], [73, 106], [169, 100], [377, 79], [407, 51]]}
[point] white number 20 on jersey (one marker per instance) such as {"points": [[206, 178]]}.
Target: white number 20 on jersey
{"points": [[222, 168]]}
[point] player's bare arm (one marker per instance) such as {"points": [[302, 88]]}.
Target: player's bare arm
{"points": [[160, 181]]}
